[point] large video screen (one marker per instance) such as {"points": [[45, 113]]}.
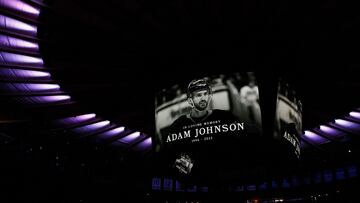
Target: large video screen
{"points": [[200, 119], [288, 122]]}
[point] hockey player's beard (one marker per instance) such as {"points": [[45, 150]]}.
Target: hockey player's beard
{"points": [[202, 105]]}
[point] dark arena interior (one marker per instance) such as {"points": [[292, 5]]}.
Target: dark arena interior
{"points": [[89, 90]]}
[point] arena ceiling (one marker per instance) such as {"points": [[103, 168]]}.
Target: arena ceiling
{"points": [[63, 59]]}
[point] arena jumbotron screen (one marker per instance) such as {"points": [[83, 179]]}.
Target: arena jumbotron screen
{"points": [[288, 121], [200, 121]]}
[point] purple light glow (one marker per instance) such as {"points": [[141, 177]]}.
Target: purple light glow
{"points": [[75, 119], [148, 141], [19, 59], [52, 98], [144, 145], [18, 5], [13, 25], [36, 87], [314, 137], [43, 99], [91, 127], [28, 87], [16, 73], [328, 130], [85, 117], [355, 114], [347, 124], [130, 138], [112, 133], [12, 42]]}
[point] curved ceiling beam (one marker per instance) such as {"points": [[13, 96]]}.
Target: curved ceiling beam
{"points": [[26, 80]]}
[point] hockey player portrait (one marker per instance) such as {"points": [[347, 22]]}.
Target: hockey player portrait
{"points": [[202, 123], [202, 118]]}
